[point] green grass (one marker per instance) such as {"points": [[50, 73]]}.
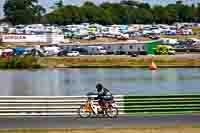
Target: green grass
{"points": [[117, 62], [164, 96], [172, 113], [129, 129], [196, 30], [27, 62], [99, 62], [161, 104]]}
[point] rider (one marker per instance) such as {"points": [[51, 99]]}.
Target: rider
{"points": [[104, 95]]}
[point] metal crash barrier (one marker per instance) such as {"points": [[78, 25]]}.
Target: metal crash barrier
{"points": [[69, 105]]}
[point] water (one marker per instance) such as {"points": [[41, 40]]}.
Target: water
{"points": [[68, 82]]}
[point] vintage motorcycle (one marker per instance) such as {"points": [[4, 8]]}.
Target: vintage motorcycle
{"points": [[92, 108]]}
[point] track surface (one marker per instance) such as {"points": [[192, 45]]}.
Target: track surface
{"points": [[120, 122]]}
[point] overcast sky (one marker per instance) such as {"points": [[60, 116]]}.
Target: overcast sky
{"points": [[49, 3]]}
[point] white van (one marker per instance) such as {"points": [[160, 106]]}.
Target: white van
{"points": [[96, 50], [52, 50]]}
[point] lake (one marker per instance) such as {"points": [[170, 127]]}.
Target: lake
{"points": [[70, 82]]}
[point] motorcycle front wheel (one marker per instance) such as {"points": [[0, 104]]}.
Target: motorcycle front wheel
{"points": [[83, 113], [112, 112]]}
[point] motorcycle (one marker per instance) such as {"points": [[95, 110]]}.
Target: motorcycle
{"points": [[90, 108]]}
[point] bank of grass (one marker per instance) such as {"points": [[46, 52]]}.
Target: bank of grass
{"points": [[26, 62], [120, 61], [181, 37], [196, 30], [138, 129], [113, 61]]}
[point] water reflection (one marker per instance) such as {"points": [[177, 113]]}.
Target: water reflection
{"points": [[66, 82]]}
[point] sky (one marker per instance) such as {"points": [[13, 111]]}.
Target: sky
{"points": [[49, 3]]}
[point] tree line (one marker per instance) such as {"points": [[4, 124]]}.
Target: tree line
{"points": [[125, 12]]}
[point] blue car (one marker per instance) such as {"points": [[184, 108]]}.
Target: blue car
{"points": [[19, 51]]}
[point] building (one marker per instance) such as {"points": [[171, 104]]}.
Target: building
{"points": [[126, 47]]}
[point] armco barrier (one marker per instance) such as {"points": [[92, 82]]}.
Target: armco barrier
{"points": [[48, 106], [45, 106]]}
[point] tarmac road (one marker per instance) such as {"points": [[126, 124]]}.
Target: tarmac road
{"points": [[120, 122]]}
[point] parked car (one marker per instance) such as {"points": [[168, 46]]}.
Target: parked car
{"points": [[19, 51], [89, 37], [164, 50], [82, 51], [51, 50], [73, 53], [63, 52], [7, 52], [133, 54], [154, 37]]}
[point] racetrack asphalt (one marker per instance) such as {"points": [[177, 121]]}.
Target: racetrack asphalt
{"points": [[120, 122]]}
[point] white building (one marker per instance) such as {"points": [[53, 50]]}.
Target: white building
{"points": [[115, 47]]}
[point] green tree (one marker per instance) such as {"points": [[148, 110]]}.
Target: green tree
{"points": [[125, 12], [198, 12], [23, 11], [59, 4], [129, 3]]}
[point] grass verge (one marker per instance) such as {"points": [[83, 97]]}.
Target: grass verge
{"points": [[197, 30], [181, 37], [138, 129], [113, 61], [26, 62], [120, 61]]}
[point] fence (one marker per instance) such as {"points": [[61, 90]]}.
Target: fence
{"points": [[55, 106]]}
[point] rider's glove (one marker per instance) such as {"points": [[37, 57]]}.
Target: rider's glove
{"points": [[96, 98]]}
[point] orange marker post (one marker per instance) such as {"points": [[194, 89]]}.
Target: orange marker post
{"points": [[152, 66]]}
